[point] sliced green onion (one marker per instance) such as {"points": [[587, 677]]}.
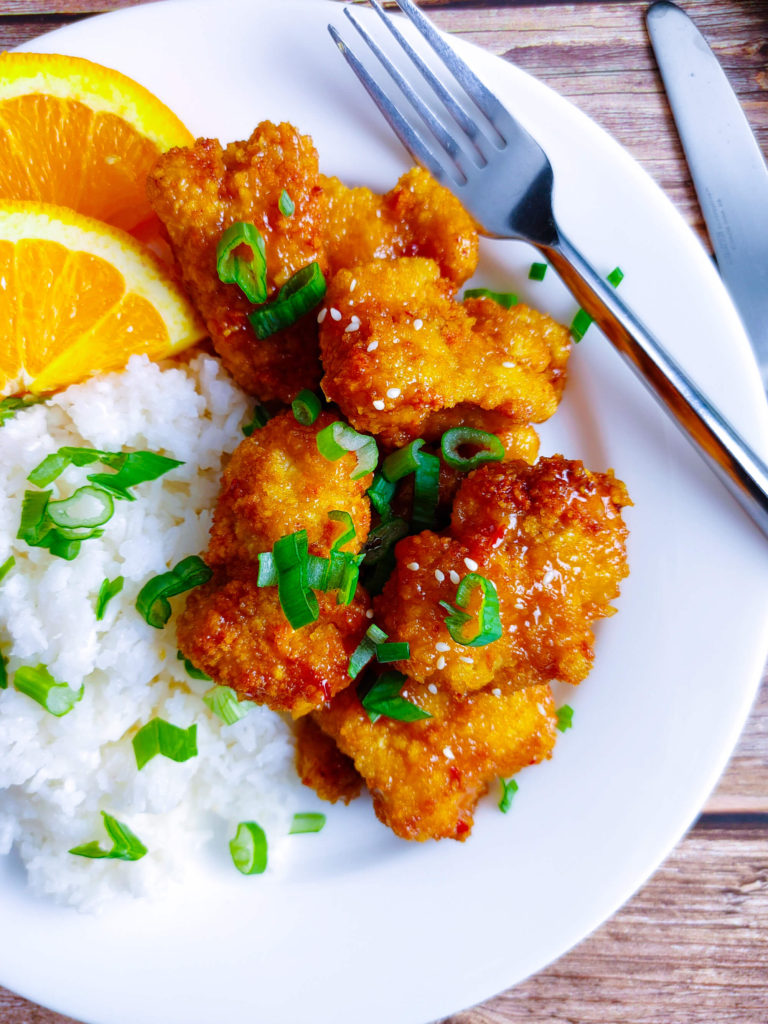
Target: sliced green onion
{"points": [[38, 683], [34, 523], [291, 558], [580, 325], [426, 492], [615, 277], [489, 622], [10, 406], [107, 590], [306, 407], [126, 845], [260, 418], [508, 789], [6, 567], [3, 673], [491, 447], [249, 848], [339, 516], [153, 603], [285, 204], [335, 440], [298, 295], [398, 651], [131, 468], [249, 275], [381, 492], [383, 699], [564, 717], [89, 506], [223, 702], [365, 651], [402, 462], [379, 552], [350, 574], [505, 299], [161, 737], [308, 821], [192, 672], [537, 271]]}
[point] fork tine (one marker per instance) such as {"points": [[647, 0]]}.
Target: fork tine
{"points": [[468, 125], [447, 141], [418, 149], [479, 93]]}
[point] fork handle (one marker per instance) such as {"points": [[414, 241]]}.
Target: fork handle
{"points": [[723, 449]]}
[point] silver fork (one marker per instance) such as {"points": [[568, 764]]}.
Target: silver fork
{"points": [[504, 179]]}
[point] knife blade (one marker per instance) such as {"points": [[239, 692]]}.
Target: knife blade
{"points": [[727, 167]]}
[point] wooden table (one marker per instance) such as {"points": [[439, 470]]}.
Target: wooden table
{"points": [[692, 946]]}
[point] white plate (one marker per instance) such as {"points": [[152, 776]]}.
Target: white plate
{"points": [[362, 926]]}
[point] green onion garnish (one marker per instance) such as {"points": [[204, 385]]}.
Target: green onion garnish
{"points": [[131, 468], [38, 683], [426, 492], [365, 651], [379, 552], [308, 821], [381, 492], [249, 275], [298, 295], [615, 277], [508, 789], [580, 325], [491, 447], [125, 844], [402, 462], [107, 590], [398, 651], [260, 418], [348, 534], [564, 717], [249, 848], [223, 702], [291, 558], [337, 439], [383, 699], [192, 672], [306, 407], [489, 622], [152, 601], [37, 527], [3, 673], [160, 737], [537, 271], [285, 204], [10, 406], [505, 299], [6, 567], [89, 506], [33, 525]]}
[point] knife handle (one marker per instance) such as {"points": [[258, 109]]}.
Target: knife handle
{"points": [[727, 453]]}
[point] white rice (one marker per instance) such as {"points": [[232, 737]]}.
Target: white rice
{"points": [[58, 774]]}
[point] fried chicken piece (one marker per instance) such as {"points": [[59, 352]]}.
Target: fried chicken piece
{"points": [[418, 217], [277, 482], [198, 193], [403, 360], [321, 765], [238, 634], [551, 539], [426, 777]]}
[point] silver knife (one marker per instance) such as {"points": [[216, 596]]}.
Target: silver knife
{"points": [[727, 167]]}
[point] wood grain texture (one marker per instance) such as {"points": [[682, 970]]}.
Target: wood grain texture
{"points": [[692, 946]]}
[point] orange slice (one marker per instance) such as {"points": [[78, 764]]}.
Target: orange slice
{"points": [[81, 135], [78, 297]]}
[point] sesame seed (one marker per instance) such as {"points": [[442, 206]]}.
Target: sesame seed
{"points": [[372, 346], [439, 575], [353, 325], [418, 324], [378, 404], [549, 577], [441, 662], [509, 366], [335, 314], [471, 564], [453, 576], [440, 646], [393, 392], [468, 661], [353, 284], [432, 688], [496, 692], [448, 753], [322, 314], [369, 613], [414, 565]]}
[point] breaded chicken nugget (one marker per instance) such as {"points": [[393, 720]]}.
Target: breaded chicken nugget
{"points": [[427, 776], [277, 482], [238, 634], [403, 360], [322, 766], [418, 217], [551, 539], [201, 191]]}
